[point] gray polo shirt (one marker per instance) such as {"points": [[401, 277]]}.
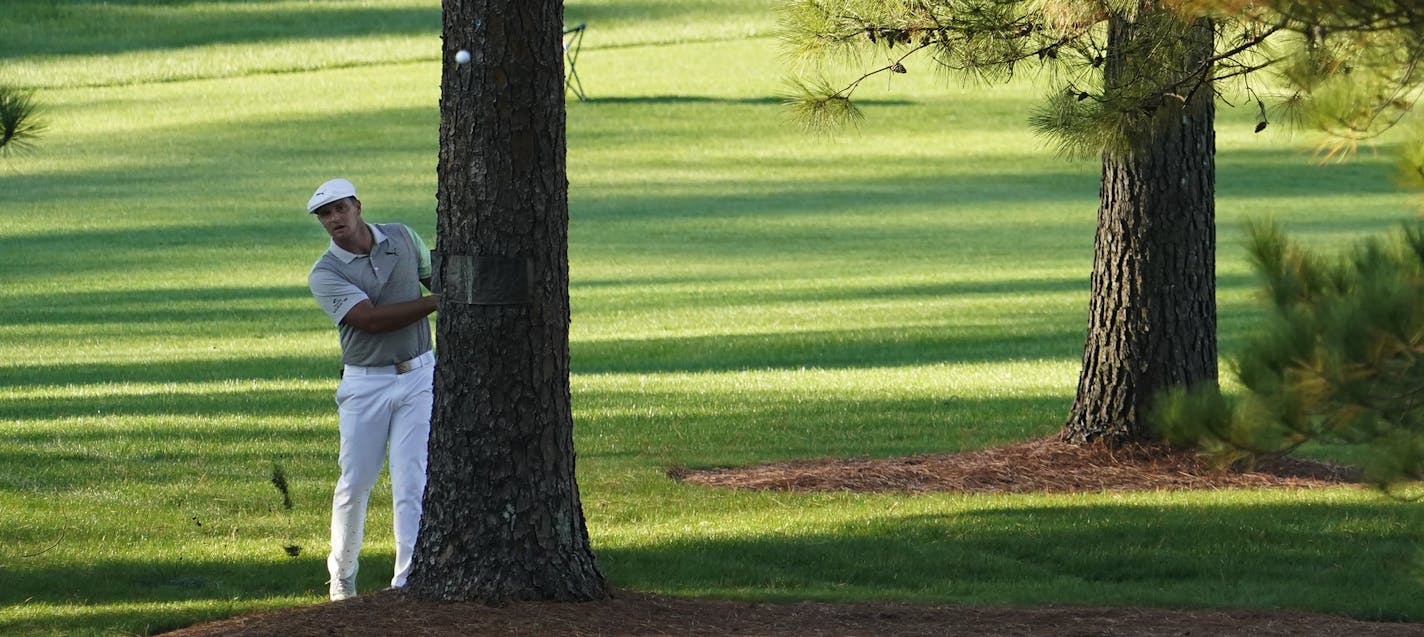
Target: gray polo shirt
{"points": [[390, 274]]}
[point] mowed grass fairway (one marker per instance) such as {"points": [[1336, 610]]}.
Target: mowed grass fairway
{"points": [[742, 292]]}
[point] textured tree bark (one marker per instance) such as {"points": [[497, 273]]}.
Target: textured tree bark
{"points": [[502, 516], [1152, 312]]}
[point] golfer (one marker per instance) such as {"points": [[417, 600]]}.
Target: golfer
{"points": [[369, 282]]}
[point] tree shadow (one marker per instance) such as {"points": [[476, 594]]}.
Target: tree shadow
{"points": [[206, 306], [168, 592], [1175, 554], [688, 425], [1042, 338], [709, 99], [130, 403], [1284, 172], [67, 27]]}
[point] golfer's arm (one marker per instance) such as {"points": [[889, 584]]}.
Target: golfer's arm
{"points": [[378, 319]]}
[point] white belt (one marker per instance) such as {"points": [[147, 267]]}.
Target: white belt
{"points": [[424, 360]]}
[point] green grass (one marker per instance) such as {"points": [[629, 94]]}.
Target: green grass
{"points": [[742, 292]]}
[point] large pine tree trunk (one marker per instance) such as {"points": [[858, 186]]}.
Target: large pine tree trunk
{"points": [[1152, 314], [502, 516]]}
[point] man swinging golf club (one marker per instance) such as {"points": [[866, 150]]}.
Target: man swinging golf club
{"points": [[369, 283]]}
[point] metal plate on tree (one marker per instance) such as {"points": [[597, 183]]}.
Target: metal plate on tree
{"points": [[476, 280]]}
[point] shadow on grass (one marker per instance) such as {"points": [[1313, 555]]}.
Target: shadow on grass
{"points": [[832, 291], [1267, 173], [1336, 558], [72, 459], [645, 10], [139, 596], [710, 99], [831, 349], [197, 307], [1286, 172], [176, 371], [66, 27], [696, 428], [180, 577], [127, 403]]}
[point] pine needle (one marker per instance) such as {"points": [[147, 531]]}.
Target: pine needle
{"points": [[820, 109], [19, 123]]}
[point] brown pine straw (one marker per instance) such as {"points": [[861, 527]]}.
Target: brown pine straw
{"points": [[1046, 465]]}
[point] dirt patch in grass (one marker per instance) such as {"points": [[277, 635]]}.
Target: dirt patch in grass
{"points": [[1038, 466]]}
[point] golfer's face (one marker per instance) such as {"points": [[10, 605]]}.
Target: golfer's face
{"points": [[342, 219]]}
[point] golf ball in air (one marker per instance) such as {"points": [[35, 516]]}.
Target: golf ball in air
{"points": [[462, 57]]}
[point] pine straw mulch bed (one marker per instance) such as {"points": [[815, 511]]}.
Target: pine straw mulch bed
{"points": [[1037, 466], [1046, 465], [628, 614]]}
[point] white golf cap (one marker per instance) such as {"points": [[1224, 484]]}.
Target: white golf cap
{"points": [[329, 192]]}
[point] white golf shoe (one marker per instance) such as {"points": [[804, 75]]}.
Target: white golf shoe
{"points": [[343, 589]]}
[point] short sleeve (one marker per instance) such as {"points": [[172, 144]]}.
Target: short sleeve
{"points": [[423, 252], [333, 293]]}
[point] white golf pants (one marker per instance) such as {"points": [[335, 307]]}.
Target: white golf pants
{"points": [[380, 410]]}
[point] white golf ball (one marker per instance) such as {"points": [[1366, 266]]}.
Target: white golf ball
{"points": [[462, 57]]}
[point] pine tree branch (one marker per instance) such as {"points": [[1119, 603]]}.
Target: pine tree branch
{"points": [[896, 66], [1245, 69], [990, 38]]}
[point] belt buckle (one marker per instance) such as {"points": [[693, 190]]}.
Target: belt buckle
{"points": [[405, 366]]}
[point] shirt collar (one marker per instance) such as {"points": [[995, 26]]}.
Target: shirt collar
{"points": [[377, 238]]}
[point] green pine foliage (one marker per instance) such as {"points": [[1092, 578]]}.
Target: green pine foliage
{"points": [[19, 122], [820, 109], [1339, 359], [1350, 69]]}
